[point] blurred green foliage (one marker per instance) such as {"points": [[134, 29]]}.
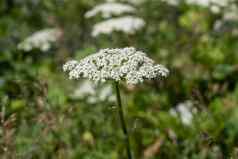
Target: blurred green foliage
{"points": [[40, 120]]}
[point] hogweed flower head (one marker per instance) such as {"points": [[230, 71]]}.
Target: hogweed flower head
{"points": [[41, 40], [134, 2], [126, 24], [214, 5], [109, 9], [120, 64], [93, 93], [185, 110]]}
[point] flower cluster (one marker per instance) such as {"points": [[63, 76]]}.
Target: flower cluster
{"points": [[126, 64], [227, 8], [127, 24], [109, 9], [214, 5], [92, 93], [41, 40], [230, 15], [172, 2], [185, 111], [134, 2]]}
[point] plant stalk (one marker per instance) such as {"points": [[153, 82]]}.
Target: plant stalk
{"points": [[123, 123]]}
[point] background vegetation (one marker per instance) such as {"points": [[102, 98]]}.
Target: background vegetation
{"points": [[40, 118]]}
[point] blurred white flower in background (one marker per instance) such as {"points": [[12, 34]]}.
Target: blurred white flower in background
{"points": [[125, 64], [226, 8], [41, 40], [109, 9], [2, 81], [184, 111], [127, 24], [214, 5], [205, 3], [136, 2], [231, 13], [106, 93], [92, 93], [86, 88], [172, 2]]}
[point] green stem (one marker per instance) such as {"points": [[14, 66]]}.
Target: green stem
{"points": [[123, 123]]}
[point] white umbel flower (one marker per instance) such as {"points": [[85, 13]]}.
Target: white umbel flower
{"points": [[86, 88], [109, 9], [172, 2], [134, 2], [231, 14], [127, 24], [92, 93], [126, 64], [213, 5], [185, 111], [41, 40], [207, 3]]}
